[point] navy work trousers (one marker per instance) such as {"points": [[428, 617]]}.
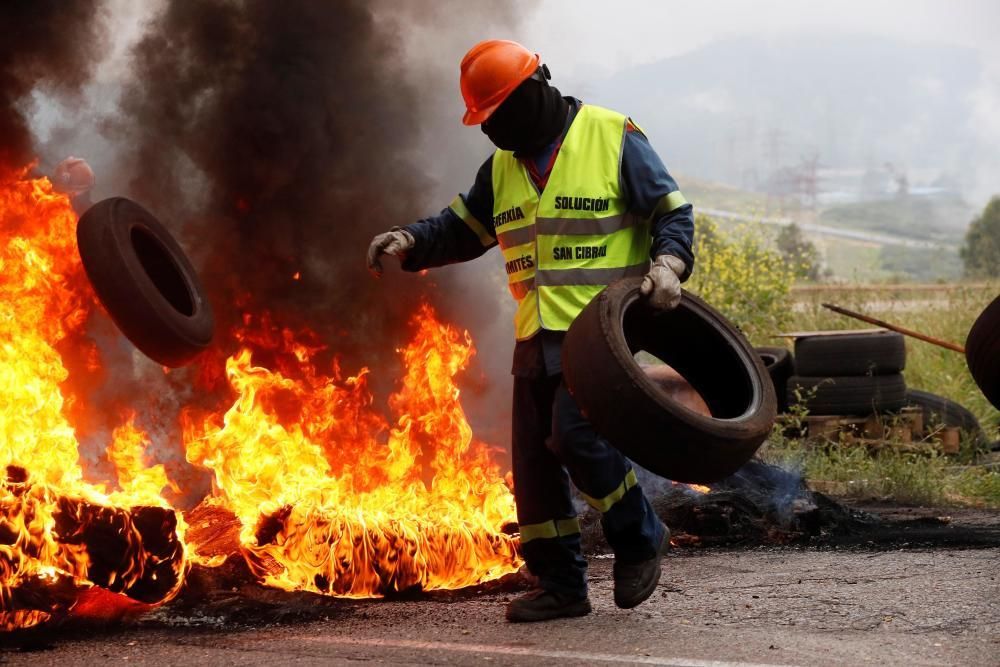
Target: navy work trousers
{"points": [[552, 444]]}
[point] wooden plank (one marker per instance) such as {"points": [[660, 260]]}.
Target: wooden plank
{"points": [[889, 287], [834, 332], [950, 440]]}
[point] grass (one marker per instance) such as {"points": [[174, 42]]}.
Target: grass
{"points": [[851, 260], [946, 313], [742, 275], [909, 478]]}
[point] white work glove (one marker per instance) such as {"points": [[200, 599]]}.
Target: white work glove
{"points": [[394, 242], [662, 285], [73, 176]]}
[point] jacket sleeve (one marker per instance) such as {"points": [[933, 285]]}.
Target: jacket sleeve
{"points": [[461, 232], [654, 194]]}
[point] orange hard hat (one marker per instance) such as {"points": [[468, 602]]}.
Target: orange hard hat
{"points": [[491, 70]]}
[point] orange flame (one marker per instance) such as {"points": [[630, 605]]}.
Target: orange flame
{"points": [[330, 495], [327, 504], [138, 483], [697, 488], [43, 496]]}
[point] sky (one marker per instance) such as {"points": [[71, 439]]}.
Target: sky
{"points": [[589, 40], [581, 37]]}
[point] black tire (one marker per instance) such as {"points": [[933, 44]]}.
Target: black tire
{"points": [[779, 365], [145, 281], [938, 409], [628, 408], [982, 352], [848, 395], [850, 354]]}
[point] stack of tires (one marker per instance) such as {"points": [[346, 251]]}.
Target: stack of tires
{"points": [[849, 374], [844, 374], [858, 375]]}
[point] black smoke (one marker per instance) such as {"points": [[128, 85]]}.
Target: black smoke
{"points": [[278, 137], [45, 44], [275, 139]]}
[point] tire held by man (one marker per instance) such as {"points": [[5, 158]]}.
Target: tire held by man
{"points": [[145, 281], [629, 409]]}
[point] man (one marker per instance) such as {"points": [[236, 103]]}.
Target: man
{"points": [[74, 177], [576, 198]]}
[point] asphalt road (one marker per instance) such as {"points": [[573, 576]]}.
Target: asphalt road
{"points": [[759, 607]]}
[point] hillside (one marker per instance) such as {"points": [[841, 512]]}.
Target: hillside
{"points": [[740, 111], [903, 238]]}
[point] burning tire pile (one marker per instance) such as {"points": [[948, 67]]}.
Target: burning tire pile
{"points": [[317, 490]]}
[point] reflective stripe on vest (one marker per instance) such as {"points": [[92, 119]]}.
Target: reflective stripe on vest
{"points": [[561, 248]]}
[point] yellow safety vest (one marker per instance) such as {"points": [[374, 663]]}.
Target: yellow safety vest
{"points": [[565, 245]]}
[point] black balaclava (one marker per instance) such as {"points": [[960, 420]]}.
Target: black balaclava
{"points": [[529, 119]]}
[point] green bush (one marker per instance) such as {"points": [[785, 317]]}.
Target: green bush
{"points": [[740, 272]]}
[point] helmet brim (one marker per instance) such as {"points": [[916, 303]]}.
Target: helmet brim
{"points": [[479, 116]]}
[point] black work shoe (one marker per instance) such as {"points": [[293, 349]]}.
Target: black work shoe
{"points": [[542, 605], [635, 582]]}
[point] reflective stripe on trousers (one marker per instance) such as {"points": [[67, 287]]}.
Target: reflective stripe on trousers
{"points": [[602, 505], [549, 529]]}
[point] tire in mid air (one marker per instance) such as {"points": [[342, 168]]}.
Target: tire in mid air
{"points": [[145, 281]]}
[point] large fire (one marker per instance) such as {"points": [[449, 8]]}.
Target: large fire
{"points": [[326, 504], [330, 495]]}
